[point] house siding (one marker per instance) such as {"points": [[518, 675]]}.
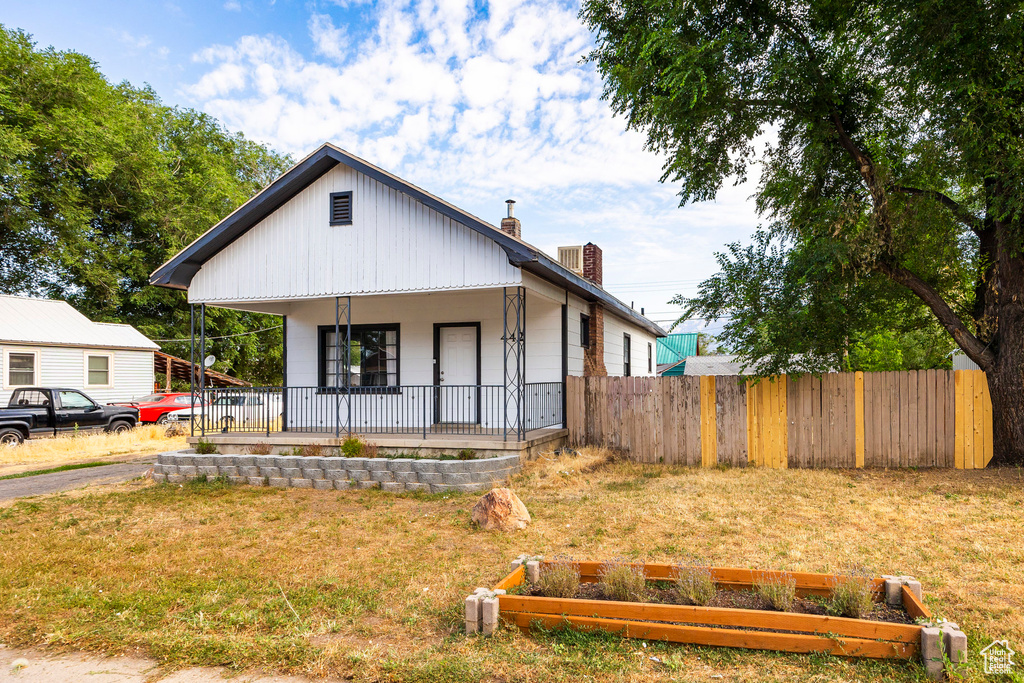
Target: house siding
{"points": [[614, 329], [64, 367], [394, 244]]}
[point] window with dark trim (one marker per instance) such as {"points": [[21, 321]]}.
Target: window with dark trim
{"points": [[585, 331], [374, 357], [341, 208], [650, 359], [627, 354]]}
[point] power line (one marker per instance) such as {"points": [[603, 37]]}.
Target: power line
{"points": [[226, 336]]}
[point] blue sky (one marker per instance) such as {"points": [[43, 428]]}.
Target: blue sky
{"points": [[475, 102]]}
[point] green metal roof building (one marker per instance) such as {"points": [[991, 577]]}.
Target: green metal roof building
{"points": [[673, 350]]}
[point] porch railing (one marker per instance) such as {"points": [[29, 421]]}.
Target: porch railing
{"points": [[423, 410]]}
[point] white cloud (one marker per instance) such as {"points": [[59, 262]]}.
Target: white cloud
{"points": [[135, 42], [478, 106], [233, 6]]}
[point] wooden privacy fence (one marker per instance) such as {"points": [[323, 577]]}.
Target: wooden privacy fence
{"points": [[924, 418]]}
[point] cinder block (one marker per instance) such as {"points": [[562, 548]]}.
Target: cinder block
{"points": [[518, 562], [342, 484], [457, 478], [914, 586], [280, 482], [187, 470], [203, 461], [358, 475], [376, 464], [489, 615], [291, 472], [167, 469], [227, 471], [417, 486], [256, 481], [442, 488], [473, 614], [354, 463], [393, 486], [335, 474], [176, 478], [312, 473], [330, 463], [209, 470], [185, 459], [382, 475], [300, 483], [238, 480], [406, 477], [451, 466], [323, 484], [264, 460], [424, 466], [487, 477], [159, 477], [894, 592], [955, 642], [243, 461], [931, 652], [284, 461], [473, 488], [270, 472], [430, 478], [533, 571], [365, 484], [400, 464], [249, 471]]}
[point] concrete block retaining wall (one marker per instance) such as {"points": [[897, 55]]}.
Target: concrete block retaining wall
{"points": [[337, 473]]}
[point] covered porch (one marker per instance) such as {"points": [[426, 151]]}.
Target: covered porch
{"points": [[481, 368]]}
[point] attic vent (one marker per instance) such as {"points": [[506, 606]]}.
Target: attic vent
{"points": [[571, 258], [341, 208]]}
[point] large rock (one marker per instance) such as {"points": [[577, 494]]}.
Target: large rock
{"points": [[501, 510]]}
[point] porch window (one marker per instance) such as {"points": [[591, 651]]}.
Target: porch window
{"points": [[374, 357]]}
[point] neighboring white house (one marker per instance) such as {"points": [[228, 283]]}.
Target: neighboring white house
{"points": [[452, 318], [722, 364], [48, 343]]}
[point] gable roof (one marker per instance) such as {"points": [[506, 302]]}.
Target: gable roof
{"points": [[675, 347], [714, 365], [24, 320], [179, 271]]}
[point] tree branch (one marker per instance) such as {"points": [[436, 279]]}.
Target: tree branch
{"points": [[965, 339], [955, 207]]}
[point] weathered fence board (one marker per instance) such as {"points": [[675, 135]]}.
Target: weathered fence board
{"points": [[926, 418]]}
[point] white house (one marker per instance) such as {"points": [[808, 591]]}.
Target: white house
{"points": [[48, 343], [457, 326]]}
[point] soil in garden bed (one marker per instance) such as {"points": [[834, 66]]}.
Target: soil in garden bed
{"points": [[663, 595]]}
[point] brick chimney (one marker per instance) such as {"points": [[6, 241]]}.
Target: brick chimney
{"points": [[510, 225], [593, 356], [593, 268]]}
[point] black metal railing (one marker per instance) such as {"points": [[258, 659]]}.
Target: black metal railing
{"points": [[409, 409]]}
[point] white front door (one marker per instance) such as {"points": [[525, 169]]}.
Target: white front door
{"points": [[458, 375]]}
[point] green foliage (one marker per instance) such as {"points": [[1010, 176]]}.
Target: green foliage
{"points": [[467, 454], [891, 166], [778, 590], [100, 184], [695, 583], [623, 582], [205, 448], [559, 580], [852, 596], [352, 447]]}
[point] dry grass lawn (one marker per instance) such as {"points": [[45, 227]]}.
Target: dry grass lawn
{"points": [[369, 585], [40, 453]]}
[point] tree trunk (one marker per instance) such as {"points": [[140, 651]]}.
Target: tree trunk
{"points": [[1006, 376]]}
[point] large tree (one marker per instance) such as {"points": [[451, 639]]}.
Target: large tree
{"points": [[101, 183], [893, 146]]}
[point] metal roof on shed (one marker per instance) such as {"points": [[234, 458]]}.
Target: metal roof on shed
{"points": [[676, 347], [25, 320]]}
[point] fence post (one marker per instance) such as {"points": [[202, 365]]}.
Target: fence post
{"points": [[708, 422], [858, 420]]}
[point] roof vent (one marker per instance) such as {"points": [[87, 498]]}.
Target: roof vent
{"points": [[571, 258]]}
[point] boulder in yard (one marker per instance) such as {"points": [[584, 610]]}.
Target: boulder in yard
{"points": [[501, 510]]}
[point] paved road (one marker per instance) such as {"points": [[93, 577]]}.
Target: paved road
{"points": [[41, 484]]}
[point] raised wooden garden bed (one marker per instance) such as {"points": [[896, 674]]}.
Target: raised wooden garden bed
{"points": [[724, 626]]}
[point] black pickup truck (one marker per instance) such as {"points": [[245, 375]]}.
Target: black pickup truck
{"points": [[35, 411]]}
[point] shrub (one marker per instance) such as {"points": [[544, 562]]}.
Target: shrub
{"points": [[623, 582], [260, 448], [311, 450], [467, 454], [560, 579], [851, 595], [370, 450], [779, 590], [695, 583], [352, 447], [205, 448]]}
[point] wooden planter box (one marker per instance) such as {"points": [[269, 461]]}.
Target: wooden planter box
{"points": [[718, 626]]}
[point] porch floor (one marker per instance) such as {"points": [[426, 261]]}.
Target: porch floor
{"points": [[484, 445]]}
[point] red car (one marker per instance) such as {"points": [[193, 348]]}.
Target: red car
{"points": [[154, 408]]}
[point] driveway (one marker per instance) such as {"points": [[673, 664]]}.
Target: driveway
{"points": [[40, 484]]}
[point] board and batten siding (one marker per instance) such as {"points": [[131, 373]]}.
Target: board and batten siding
{"points": [[394, 244], [64, 367]]}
